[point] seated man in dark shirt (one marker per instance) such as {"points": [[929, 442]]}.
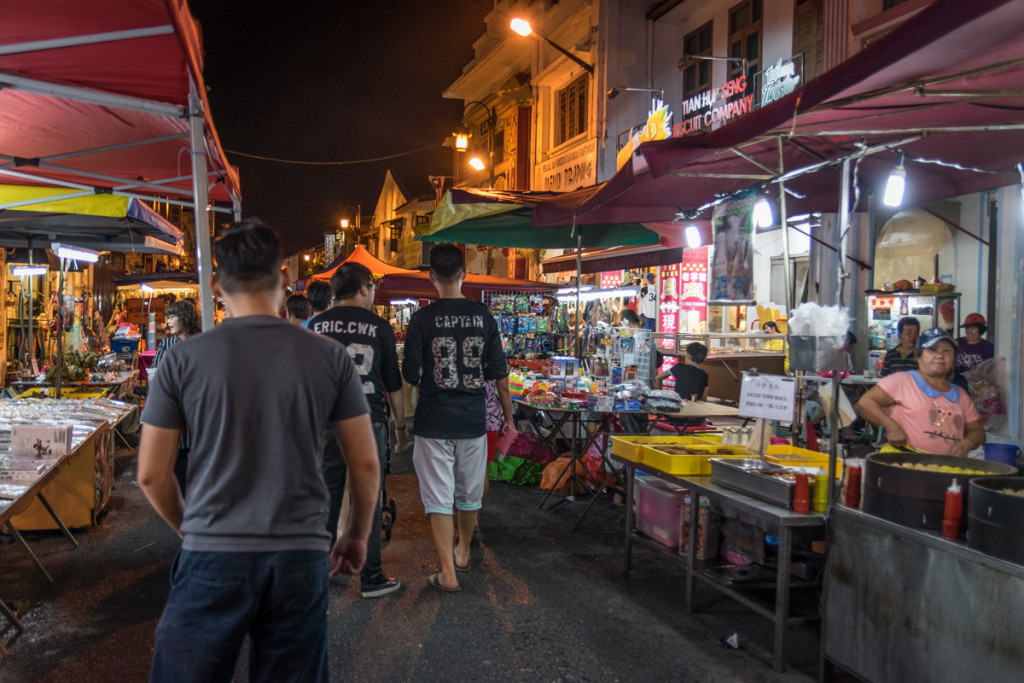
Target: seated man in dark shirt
{"points": [[691, 380], [902, 357]]}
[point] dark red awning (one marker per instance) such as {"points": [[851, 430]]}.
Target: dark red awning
{"points": [[944, 87]]}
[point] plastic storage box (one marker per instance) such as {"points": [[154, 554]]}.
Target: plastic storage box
{"points": [[659, 510], [674, 463]]}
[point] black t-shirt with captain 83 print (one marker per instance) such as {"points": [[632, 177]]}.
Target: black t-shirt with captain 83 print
{"points": [[452, 347]]}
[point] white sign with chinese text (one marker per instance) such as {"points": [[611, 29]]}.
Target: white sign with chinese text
{"points": [[771, 397]]}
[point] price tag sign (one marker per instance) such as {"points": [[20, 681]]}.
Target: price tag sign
{"points": [[771, 397]]}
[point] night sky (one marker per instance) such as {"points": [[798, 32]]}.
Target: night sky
{"points": [[329, 81]]}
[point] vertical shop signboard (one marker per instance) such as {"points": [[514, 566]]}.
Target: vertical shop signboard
{"points": [[693, 297], [668, 303]]}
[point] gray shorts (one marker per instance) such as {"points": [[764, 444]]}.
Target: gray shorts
{"points": [[451, 472]]}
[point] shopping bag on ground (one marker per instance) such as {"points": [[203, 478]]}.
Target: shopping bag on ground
{"points": [[551, 480]]}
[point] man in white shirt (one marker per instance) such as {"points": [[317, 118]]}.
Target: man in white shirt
{"points": [[647, 304]]}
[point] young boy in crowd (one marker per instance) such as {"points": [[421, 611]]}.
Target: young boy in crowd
{"points": [[691, 379]]}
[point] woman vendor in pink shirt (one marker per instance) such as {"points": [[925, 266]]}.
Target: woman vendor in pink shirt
{"points": [[921, 408]]}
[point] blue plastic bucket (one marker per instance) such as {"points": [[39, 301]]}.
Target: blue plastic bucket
{"points": [[1005, 453]]}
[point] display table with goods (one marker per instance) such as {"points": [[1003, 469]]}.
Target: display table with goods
{"points": [[580, 419], [84, 374], [769, 557], [906, 597], [56, 467], [729, 356]]}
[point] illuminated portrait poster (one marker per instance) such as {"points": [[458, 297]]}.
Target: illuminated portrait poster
{"points": [[732, 266]]}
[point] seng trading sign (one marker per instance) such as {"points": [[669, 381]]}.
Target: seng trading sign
{"points": [[719, 108]]}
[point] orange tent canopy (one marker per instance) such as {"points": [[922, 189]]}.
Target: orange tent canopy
{"points": [[360, 255]]}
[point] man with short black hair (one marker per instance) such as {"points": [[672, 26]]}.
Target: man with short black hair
{"points": [[320, 296], [255, 394], [647, 305], [452, 348], [371, 345], [902, 357]]}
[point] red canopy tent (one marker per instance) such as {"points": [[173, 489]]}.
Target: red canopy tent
{"points": [[107, 96], [402, 283]]}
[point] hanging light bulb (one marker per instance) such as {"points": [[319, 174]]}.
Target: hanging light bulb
{"points": [[693, 238], [895, 185], [763, 214]]}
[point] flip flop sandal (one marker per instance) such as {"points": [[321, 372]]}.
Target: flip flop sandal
{"points": [[435, 582], [461, 567]]}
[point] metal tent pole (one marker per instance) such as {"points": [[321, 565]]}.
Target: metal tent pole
{"points": [[204, 262]]}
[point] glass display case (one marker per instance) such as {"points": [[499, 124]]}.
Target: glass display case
{"points": [[729, 356], [885, 309], [724, 345]]}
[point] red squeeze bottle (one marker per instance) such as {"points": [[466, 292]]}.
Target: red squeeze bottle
{"points": [[954, 510], [802, 494], [853, 474]]}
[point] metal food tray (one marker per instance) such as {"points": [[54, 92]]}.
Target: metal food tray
{"points": [[743, 475]]}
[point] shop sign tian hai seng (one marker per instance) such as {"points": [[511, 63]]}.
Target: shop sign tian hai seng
{"points": [[718, 105]]}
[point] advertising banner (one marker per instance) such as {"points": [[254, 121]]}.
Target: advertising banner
{"points": [[732, 269], [668, 304], [693, 297]]}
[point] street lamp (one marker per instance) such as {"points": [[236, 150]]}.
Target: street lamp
{"points": [[614, 92], [462, 142], [523, 28]]}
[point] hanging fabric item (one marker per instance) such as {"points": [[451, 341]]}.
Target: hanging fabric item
{"points": [[732, 269]]}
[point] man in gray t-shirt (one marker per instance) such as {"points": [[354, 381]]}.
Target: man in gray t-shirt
{"points": [[255, 395]]}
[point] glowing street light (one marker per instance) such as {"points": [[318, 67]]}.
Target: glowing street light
{"points": [[523, 28], [477, 164]]}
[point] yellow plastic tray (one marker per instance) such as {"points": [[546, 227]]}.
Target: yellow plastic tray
{"points": [[690, 464], [791, 456], [631, 447]]}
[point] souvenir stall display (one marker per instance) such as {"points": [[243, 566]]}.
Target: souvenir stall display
{"points": [[531, 325]]}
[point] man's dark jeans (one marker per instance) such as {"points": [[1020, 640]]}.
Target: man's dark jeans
{"points": [[335, 473], [279, 599]]}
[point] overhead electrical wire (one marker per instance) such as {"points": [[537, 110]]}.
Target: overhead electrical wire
{"points": [[330, 163]]}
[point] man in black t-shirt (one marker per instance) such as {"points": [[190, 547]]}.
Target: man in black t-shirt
{"points": [[452, 347], [371, 346]]}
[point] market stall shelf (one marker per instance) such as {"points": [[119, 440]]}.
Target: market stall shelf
{"points": [[957, 619], [774, 520]]}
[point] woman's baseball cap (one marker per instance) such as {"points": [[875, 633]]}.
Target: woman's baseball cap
{"points": [[974, 319], [930, 338]]}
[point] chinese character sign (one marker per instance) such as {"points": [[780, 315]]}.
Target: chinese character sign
{"points": [[668, 307], [693, 297], [611, 279], [732, 270]]}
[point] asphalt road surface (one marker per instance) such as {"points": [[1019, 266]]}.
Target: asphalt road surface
{"points": [[540, 604]]}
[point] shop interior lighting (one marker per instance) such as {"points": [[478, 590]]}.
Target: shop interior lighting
{"points": [[693, 238], [75, 253], [601, 294], [572, 290], [523, 28], [477, 164], [403, 302], [146, 288], [23, 271], [895, 185], [763, 214]]}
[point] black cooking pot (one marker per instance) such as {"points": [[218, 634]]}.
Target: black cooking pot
{"points": [[997, 518], [917, 497]]}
